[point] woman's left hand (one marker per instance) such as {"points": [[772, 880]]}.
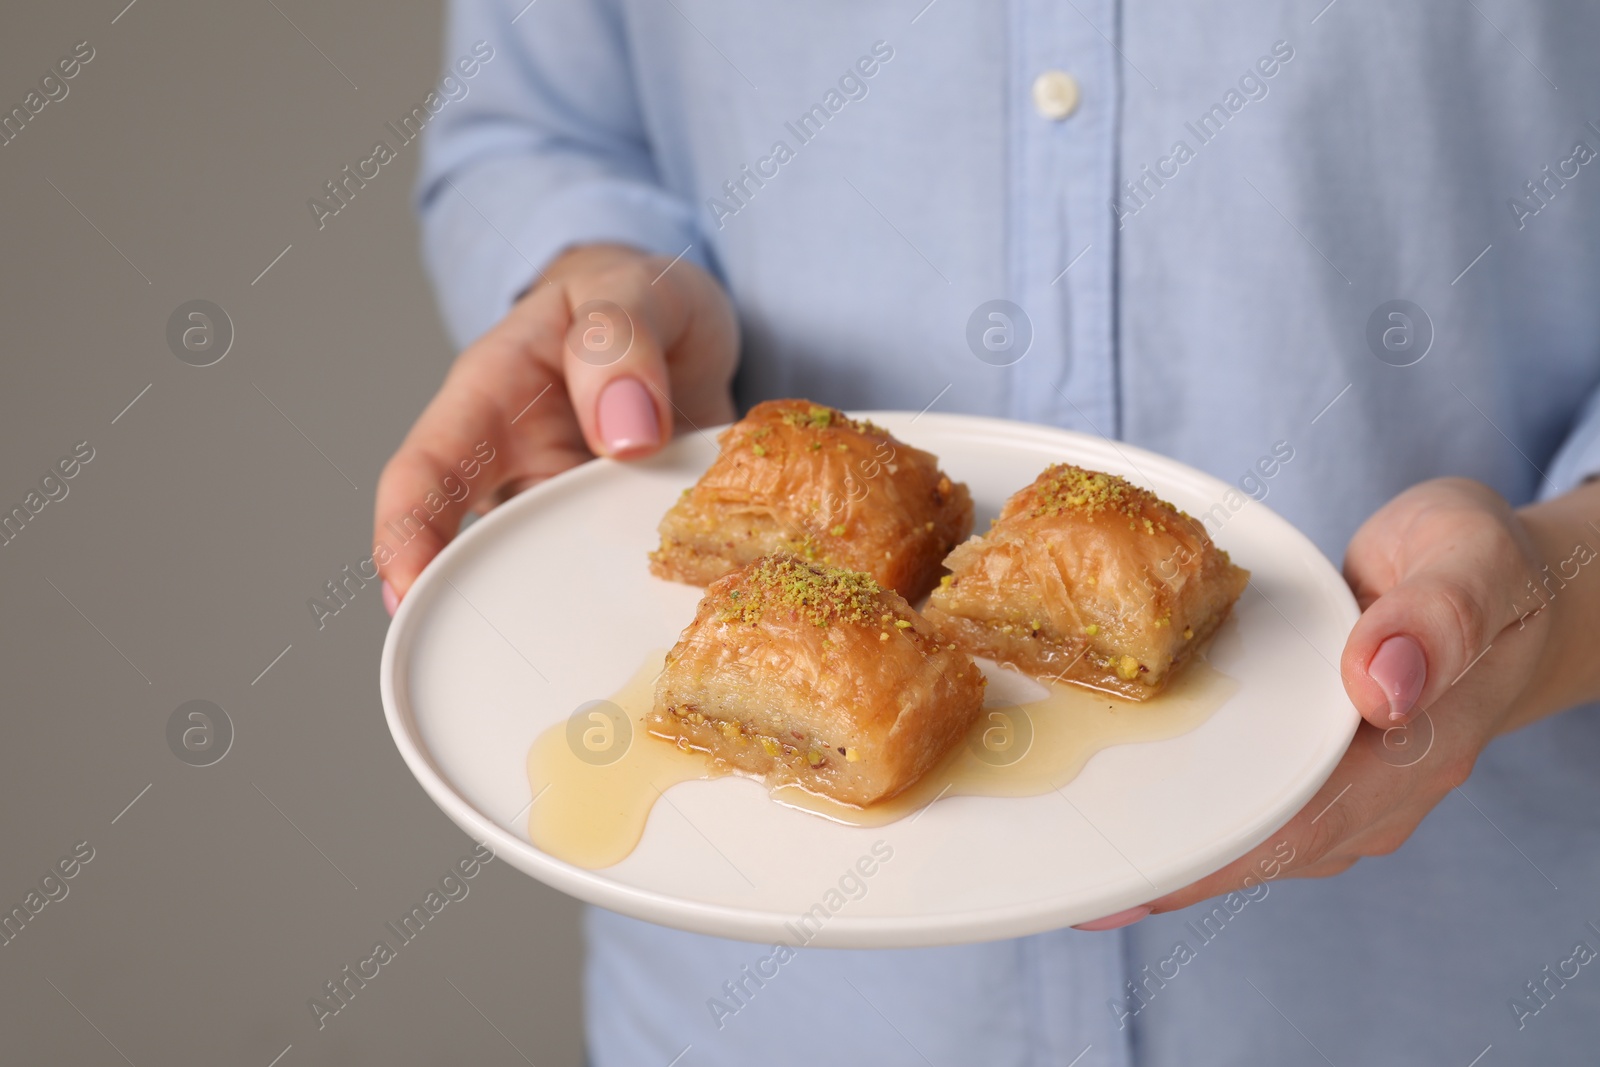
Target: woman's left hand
{"points": [[1456, 644]]}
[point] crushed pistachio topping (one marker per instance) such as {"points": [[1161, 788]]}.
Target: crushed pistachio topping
{"points": [[1091, 629], [1065, 487], [1188, 633], [821, 595], [806, 416], [818, 418], [1127, 668], [759, 450], [945, 582], [902, 624], [851, 755], [838, 531]]}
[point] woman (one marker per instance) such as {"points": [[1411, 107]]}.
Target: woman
{"points": [[1345, 258]]}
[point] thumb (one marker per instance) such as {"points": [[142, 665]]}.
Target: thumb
{"points": [[1421, 634], [1409, 646], [616, 376]]}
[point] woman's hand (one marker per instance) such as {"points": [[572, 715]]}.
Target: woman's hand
{"points": [[1474, 621], [603, 357]]}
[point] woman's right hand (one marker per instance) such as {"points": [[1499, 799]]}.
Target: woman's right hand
{"points": [[610, 352]]}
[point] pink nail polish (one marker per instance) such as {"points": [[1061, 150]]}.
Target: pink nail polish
{"points": [[390, 601], [1400, 669], [627, 418], [1120, 919]]}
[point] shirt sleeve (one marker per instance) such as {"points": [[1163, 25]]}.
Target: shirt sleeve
{"points": [[540, 148], [1578, 458]]}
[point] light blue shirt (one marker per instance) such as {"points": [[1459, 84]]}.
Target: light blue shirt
{"points": [[1206, 249]]}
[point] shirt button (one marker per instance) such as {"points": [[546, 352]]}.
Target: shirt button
{"points": [[1055, 94]]}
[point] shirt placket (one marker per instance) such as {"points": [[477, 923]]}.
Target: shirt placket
{"points": [[1064, 88], [1065, 85]]}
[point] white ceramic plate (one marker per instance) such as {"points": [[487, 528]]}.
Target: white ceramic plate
{"points": [[547, 604]]}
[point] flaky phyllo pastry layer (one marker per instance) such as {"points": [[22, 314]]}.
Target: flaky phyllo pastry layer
{"points": [[816, 676], [1087, 578], [798, 478]]}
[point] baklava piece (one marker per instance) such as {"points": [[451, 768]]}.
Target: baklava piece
{"points": [[1090, 579], [818, 677], [794, 477]]}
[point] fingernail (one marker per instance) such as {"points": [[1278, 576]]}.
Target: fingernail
{"points": [[1400, 669], [627, 418], [1112, 922], [390, 601]]}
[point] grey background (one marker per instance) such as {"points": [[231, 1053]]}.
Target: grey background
{"points": [[192, 541]]}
